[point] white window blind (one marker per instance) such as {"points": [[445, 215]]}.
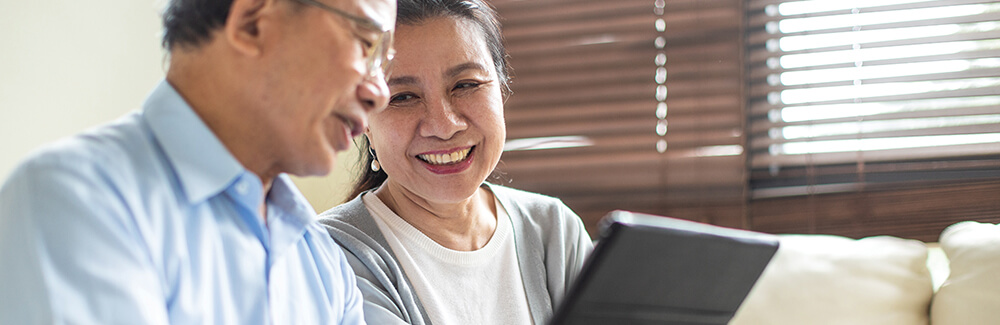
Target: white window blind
{"points": [[873, 117], [853, 94]]}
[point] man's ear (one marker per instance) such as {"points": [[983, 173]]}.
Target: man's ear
{"points": [[243, 27]]}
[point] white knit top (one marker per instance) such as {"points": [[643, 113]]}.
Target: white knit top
{"points": [[457, 287]]}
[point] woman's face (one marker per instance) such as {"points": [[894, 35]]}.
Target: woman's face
{"points": [[443, 132]]}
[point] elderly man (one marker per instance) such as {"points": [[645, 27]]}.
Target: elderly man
{"points": [[181, 212]]}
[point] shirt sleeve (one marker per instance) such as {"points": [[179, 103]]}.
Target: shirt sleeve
{"points": [[70, 251]]}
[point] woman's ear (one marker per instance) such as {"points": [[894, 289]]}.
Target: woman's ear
{"points": [[245, 24], [368, 138]]}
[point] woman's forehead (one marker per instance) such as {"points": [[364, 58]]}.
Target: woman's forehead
{"points": [[443, 47]]}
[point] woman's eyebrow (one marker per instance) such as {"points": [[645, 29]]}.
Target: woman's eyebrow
{"points": [[458, 69], [451, 73]]}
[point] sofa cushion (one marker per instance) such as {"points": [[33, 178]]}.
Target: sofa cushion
{"points": [[823, 279], [971, 294]]}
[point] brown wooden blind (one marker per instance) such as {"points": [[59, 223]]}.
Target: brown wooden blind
{"points": [[873, 117], [628, 104]]}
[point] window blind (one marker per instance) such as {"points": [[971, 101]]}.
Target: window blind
{"points": [[852, 102], [628, 104]]}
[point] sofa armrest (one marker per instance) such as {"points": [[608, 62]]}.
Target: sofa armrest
{"points": [[971, 294]]}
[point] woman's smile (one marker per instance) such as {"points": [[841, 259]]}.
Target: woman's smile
{"points": [[447, 162], [442, 133]]}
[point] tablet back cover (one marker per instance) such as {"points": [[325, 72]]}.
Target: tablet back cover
{"points": [[659, 270]]}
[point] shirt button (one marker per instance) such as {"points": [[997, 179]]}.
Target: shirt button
{"points": [[242, 187]]}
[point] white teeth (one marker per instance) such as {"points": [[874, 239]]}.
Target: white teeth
{"points": [[444, 159]]}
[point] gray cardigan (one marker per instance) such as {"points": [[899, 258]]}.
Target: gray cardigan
{"points": [[550, 240]]}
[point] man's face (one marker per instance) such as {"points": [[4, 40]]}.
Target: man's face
{"points": [[318, 89]]}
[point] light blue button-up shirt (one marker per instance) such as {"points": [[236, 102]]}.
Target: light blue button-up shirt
{"points": [[150, 220]]}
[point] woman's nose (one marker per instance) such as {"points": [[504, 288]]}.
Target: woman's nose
{"points": [[442, 120]]}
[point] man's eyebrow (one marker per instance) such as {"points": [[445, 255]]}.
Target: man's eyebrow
{"points": [[404, 80], [458, 69]]}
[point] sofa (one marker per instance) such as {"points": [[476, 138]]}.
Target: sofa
{"points": [[825, 279]]}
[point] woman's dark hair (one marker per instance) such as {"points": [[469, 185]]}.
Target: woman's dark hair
{"points": [[415, 12], [190, 22]]}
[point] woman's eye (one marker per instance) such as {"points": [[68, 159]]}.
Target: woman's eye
{"points": [[401, 98], [466, 84]]}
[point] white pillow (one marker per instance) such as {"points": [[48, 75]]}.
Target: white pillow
{"points": [[823, 279], [971, 295]]}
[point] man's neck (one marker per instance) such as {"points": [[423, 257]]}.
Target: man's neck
{"points": [[218, 106], [215, 97]]}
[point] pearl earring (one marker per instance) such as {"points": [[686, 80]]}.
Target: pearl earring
{"points": [[375, 165]]}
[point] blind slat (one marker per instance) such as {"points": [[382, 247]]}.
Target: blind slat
{"points": [[719, 123], [765, 161], [643, 141], [914, 112], [758, 16], [763, 107], [634, 107], [762, 143], [758, 56]]}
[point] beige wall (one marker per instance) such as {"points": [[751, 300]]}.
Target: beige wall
{"points": [[67, 65], [325, 192]]}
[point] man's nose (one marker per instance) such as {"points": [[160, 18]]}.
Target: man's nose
{"points": [[373, 93]]}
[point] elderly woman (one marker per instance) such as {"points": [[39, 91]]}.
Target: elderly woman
{"points": [[429, 239]]}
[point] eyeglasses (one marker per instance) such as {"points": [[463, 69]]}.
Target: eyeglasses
{"points": [[379, 53]]}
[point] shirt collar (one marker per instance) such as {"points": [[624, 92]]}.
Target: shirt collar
{"points": [[202, 163], [289, 216], [286, 197]]}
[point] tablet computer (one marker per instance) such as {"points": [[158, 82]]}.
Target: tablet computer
{"points": [[649, 269]]}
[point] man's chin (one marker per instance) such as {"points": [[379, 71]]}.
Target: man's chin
{"points": [[324, 170], [316, 168]]}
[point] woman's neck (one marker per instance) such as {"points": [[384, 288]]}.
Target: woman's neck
{"points": [[463, 226]]}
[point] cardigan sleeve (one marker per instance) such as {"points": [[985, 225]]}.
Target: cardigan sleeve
{"points": [[389, 297], [552, 245], [580, 243]]}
